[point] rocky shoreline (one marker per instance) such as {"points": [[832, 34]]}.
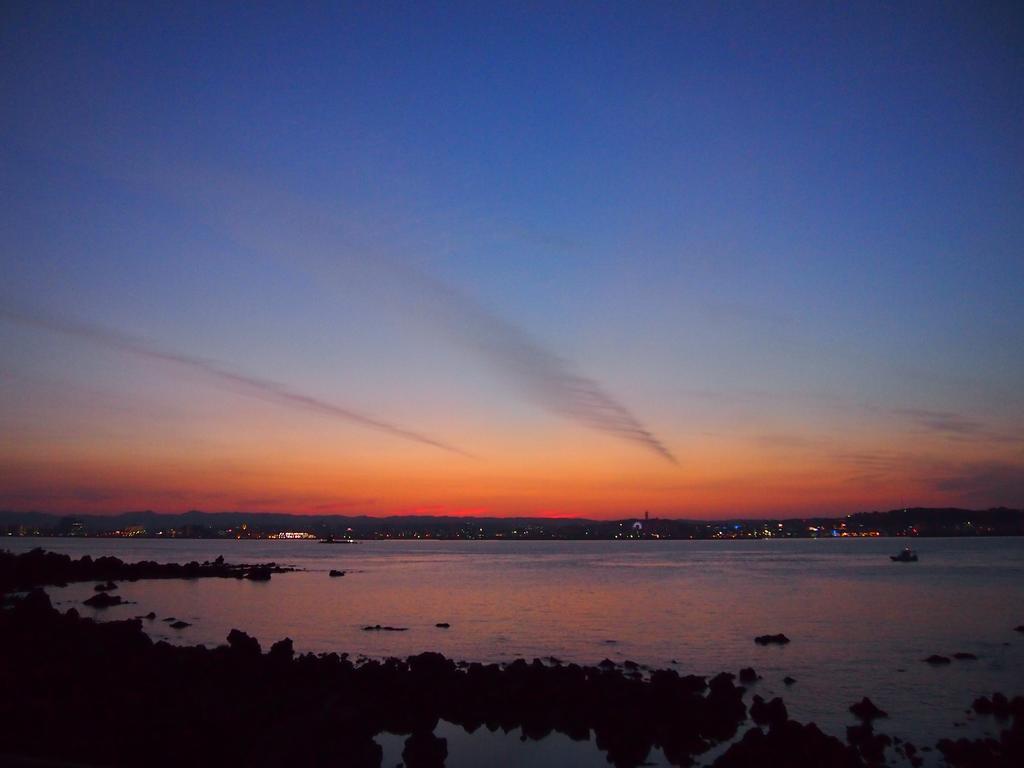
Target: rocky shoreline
{"points": [[104, 693], [39, 568]]}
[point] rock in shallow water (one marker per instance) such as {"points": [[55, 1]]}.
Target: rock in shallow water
{"points": [[748, 675], [866, 710], [779, 639], [103, 600], [425, 750]]}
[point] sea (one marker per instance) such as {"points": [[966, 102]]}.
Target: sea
{"points": [[859, 623]]}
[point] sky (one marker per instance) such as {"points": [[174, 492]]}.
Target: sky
{"points": [[699, 259]]}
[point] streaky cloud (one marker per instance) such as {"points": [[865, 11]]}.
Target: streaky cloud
{"points": [[546, 378], [941, 421], [264, 389], [301, 233]]}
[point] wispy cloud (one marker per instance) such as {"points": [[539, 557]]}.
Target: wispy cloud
{"points": [[983, 480], [942, 421], [341, 258], [543, 376], [956, 426], [264, 389], [348, 252]]}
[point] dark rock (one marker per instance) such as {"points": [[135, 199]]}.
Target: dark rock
{"points": [[40, 568], [151, 615], [335, 573], [337, 704], [105, 586], [779, 639], [103, 600], [871, 745], [425, 750], [789, 744], [936, 660], [443, 625], [242, 643], [866, 710], [789, 680], [771, 713], [748, 675], [1019, 628], [1000, 705], [180, 625], [258, 573], [983, 706], [282, 650], [379, 628]]}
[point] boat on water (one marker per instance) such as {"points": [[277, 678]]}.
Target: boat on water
{"points": [[906, 556]]}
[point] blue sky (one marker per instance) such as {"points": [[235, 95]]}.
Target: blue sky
{"points": [[752, 226]]}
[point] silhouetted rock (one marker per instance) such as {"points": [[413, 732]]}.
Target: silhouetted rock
{"points": [[936, 660], [748, 675], [379, 628], [240, 642], [336, 573], [180, 625], [1001, 707], [151, 615], [1004, 752], [866, 710], [1019, 628], [982, 705], [73, 677], [258, 573], [282, 650], [443, 625], [771, 713], [788, 745], [779, 639], [788, 680], [869, 744], [425, 750], [103, 600], [40, 568]]}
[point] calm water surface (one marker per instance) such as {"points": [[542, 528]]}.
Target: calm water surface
{"points": [[860, 624]]}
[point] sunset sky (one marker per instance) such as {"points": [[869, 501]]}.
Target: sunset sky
{"points": [[701, 259]]}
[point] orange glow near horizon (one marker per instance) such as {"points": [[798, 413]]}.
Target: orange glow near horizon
{"points": [[715, 479]]}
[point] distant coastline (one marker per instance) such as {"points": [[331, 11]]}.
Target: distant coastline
{"points": [[911, 522]]}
